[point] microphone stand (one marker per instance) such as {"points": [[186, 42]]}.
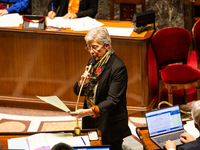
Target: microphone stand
{"points": [[77, 129]]}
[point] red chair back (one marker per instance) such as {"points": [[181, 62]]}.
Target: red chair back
{"points": [[196, 37], [171, 45]]}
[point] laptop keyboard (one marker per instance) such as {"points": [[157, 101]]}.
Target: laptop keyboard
{"points": [[171, 137]]}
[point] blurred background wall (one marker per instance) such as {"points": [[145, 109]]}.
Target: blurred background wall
{"points": [[169, 13]]}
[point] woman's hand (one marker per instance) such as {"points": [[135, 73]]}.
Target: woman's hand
{"points": [[86, 75], [51, 14], [3, 12], [70, 16], [82, 113]]}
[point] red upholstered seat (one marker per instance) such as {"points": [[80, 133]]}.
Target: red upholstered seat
{"points": [[178, 74], [171, 47]]}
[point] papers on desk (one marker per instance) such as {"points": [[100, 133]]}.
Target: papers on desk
{"points": [[119, 31], [58, 22], [85, 23], [11, 20], [79, 24], [190, 128], [18, 143], [45, 141]]}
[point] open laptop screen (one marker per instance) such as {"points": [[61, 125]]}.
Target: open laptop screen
{"points": [[164, 120]]}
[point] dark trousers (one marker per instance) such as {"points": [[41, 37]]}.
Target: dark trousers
{"points": [[89, 122], [116, 145]]}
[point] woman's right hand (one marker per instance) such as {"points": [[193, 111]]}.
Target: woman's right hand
{"points": [[51, 14], [3, 12], [86, 75]]}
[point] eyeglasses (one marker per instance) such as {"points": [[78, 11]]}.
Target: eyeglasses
{"points": [[93, 47]]}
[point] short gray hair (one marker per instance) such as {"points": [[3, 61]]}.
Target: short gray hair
{"points": [[196, 113], [100, 34]]}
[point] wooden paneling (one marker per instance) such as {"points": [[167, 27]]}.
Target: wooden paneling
{"points": [[45, 63]]}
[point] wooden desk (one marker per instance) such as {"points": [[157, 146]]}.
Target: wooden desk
{"points": [[8, 135], [44, 63], [143, 134]]}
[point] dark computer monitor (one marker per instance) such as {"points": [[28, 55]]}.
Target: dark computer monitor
{"points": [[140, 20]]}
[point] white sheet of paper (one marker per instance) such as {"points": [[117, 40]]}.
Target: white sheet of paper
{"points": [[58, 22], [18, 143], [190, 128], [11, 20], [33, 25], [55, 101], [83, 24], [119, 31], [79, 24]]}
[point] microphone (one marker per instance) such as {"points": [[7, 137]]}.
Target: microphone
{"points": [[92, 62], [77, 129]]}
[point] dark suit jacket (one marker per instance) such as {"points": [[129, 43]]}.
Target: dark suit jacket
{"points": [[111, 100], [86, 7], [194, 145]]}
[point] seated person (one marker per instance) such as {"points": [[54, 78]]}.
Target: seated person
{"points": [[62, 146], [190, 142], [16, 6], [71, 9]]}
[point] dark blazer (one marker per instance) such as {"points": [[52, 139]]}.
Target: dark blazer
{"points": [[111, 100], [193, 145], [86, 7]]}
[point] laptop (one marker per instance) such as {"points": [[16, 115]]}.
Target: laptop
{"points": [[165, 124], [97, 147]]}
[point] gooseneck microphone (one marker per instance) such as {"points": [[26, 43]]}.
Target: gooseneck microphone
{"points": [[92, 62], [77, 129]]}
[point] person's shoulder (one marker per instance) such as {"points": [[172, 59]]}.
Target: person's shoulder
{"points": [[117, 59], [117, 64]]}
